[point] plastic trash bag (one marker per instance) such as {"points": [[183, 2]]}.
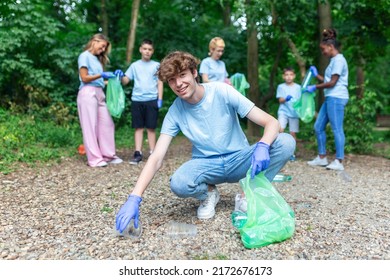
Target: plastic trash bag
{"points": [[115, 97], [270, 218], [305, 106], [239, 82]]}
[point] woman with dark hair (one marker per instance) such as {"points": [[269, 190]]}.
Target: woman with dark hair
{"points": [[335, 85]]}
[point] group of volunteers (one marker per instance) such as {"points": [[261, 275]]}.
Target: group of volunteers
{"points": [[207, 114]]}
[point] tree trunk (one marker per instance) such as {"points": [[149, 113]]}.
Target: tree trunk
{"points": [[104, 17], [325, 21], [298, 58], [271, 89], [253, 66], [360, 78], [226, 12], [133, 28]]}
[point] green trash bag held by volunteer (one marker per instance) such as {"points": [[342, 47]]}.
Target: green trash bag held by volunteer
{"points": [[115, 97], [270, 218], [239, 82], [305, 106]]}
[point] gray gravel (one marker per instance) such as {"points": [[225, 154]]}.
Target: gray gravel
{"points": [[67, 211]]}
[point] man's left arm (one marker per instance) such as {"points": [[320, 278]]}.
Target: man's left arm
{"points": [[270, 124]]}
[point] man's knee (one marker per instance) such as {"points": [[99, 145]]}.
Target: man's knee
{"points": [[287, 143], [179, 185]]}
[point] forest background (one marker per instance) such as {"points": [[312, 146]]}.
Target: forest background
{"points": [[41, 40]]}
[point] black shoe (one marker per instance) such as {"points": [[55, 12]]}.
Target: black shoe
{"points": [[136, 158]]}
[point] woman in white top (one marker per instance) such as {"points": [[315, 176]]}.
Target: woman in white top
{"points": [[212, 68], [95, 120], [335, 85]]}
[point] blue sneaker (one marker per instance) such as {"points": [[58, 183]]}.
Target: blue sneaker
{"points": [[292, 158]]}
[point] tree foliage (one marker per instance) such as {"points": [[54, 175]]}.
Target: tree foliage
{"points": [[41, 40]]}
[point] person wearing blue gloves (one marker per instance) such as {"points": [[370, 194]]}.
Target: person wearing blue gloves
{"points": [[287, 93], [147, 98], [335, 85], [96, 123], [207, 114]]}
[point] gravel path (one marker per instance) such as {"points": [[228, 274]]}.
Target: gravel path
{"points": [[67, 211]]}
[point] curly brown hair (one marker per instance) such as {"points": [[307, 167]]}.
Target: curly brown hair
{"points": [[175, 63]]}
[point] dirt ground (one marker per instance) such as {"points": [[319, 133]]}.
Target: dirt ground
{"points": [[67, 211]]}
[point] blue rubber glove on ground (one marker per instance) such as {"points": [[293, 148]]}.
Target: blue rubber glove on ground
{"points": [[288, 98], [107, 75], [311, 88], [314, 71], [159, 103], [128, 211], [260, 158], [119, 73]]}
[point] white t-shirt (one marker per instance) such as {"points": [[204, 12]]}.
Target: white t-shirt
{"points": [[143, 73], [337, 66], [287, 108], [92, 63], [212, 125], [215, 69]]}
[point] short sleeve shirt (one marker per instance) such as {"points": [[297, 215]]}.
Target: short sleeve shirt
{"points": [[143, 73], [287, 108], [337, 66], [215, 69], [212, 125], [92, 63]]}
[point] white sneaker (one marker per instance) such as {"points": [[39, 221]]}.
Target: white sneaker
{"points": [[318, 161], [206, 209], [101, 164], [116, 161], [335, 165]]}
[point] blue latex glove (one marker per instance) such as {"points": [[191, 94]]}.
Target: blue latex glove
{"points": [[314, 71], [119, 73], [107, 75], [288, 98], [311, 88], [159, 103], [260, 158], [128, 211]]}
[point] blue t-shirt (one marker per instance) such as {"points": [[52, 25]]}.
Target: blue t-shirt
{"points": [[143, 73], [337, 66], [215, 69], [92, 63], [212, 125], [287, 108]]}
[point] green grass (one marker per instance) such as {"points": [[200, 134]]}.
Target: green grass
{"points": [[32, 141], [382, 142]]}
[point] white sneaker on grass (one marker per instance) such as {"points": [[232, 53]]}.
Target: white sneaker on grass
{"points": [[206, 209], [335, 165], [318, 161]]}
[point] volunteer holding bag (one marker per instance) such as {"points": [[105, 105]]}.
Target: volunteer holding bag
{"points": [[96, 123], [335, 85]]}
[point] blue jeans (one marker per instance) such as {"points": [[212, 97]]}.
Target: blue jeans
{"points": [[332, 110], [194, 176]]}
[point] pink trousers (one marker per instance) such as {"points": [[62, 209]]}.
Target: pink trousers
{"points": [[97, 125]]}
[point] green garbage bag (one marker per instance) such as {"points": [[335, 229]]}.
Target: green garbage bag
{"points": [[270, 218], [305, 105], [115, 97], [239, 82]]}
